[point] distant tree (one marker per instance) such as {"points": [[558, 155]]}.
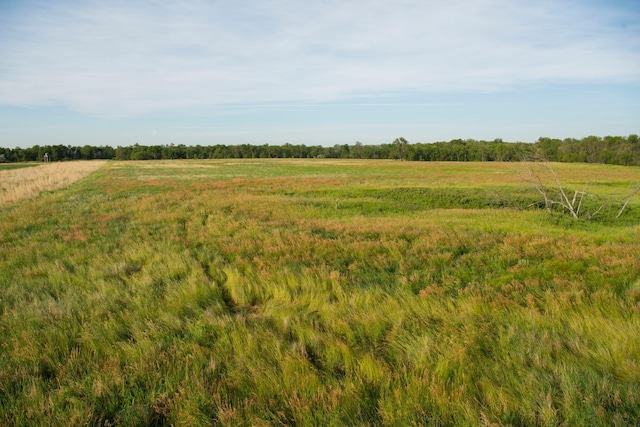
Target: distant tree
{"points": [[548, 148], [87, 152], [357, 152], [345, 151], [400, 148]]}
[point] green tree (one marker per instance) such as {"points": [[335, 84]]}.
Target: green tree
{"points": [[400, 148]]}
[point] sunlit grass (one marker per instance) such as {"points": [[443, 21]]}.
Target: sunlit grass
{"points": [[246, 294], [28, 181]]}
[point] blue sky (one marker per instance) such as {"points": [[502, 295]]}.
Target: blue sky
{"points": [[318, 72]]}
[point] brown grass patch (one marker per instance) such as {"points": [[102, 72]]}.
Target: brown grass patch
{"points": [[76, 233], [23, 183]]}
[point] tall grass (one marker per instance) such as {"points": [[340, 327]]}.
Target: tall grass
{"points": [[242, 295], [21, 183]]}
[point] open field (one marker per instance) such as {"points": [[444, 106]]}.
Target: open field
{"points": [[294, 292], [24, 180]]}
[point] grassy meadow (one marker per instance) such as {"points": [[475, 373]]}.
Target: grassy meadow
{"points": [[23, 180], [317, 292]]}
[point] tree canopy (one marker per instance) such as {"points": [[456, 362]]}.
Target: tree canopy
{"points": [[592, 149]]}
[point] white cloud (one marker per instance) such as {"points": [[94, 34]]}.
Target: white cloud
{"points": [[121, 58]]}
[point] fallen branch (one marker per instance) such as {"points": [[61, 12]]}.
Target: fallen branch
{"points": [[628, 199]]}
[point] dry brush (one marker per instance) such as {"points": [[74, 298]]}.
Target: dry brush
{"points": [[23, 183]]}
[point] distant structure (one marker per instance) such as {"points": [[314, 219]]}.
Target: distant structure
{"points": [[45, 158]]}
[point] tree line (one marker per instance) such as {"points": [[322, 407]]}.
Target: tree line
{"points": [[592, 149]]}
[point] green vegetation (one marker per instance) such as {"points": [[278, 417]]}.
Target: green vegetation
{"points": [[7, 166], [317, 292], [617, 150]]}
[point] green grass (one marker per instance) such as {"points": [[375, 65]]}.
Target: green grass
{"points": [[318, 293], [9, 166]]}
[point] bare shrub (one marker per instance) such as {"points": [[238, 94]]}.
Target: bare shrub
{"points": [[541, 175]]}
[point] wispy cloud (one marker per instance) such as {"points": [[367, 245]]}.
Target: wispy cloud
{"points": [[123, 58]]}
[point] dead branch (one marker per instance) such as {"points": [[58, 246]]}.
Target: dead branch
{"points": [[554, 192], [628, 199]]}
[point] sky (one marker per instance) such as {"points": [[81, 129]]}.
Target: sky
{"points": [[316, 72]]}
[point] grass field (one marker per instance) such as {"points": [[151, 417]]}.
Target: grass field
{"points": [[23, 180], [292, 292]]}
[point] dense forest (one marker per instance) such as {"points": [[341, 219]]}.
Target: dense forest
{"points": [[593, 149]]}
